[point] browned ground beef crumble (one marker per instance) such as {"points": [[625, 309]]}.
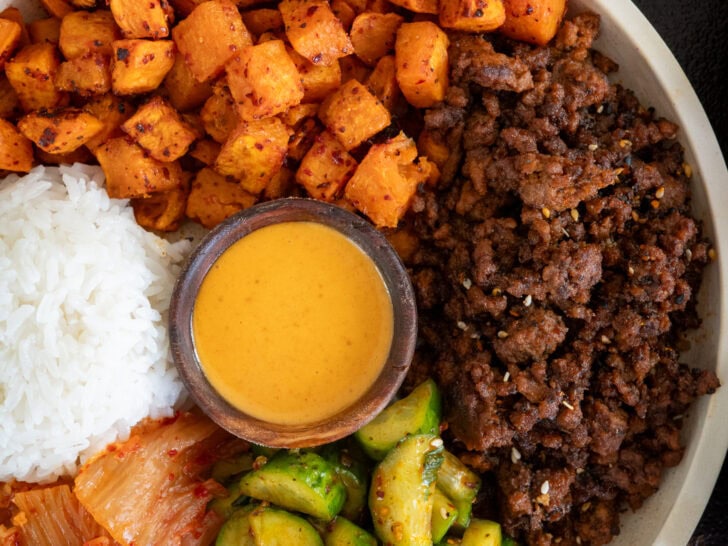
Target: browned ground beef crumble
{"points": [[555, 274]]}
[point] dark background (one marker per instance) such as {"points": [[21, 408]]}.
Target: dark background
{"points": [[697, 33]]}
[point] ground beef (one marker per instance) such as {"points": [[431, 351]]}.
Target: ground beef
{"points": [[556, 269]]}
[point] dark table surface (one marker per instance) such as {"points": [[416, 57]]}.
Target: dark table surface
{"points": [[697, 33]]}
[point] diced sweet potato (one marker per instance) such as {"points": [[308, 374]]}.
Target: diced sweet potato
{"points": [[9, 39], [263, 80], [352, 68], [185, 7], [404, 241], [9, 103], [86, 76], [262, 20], [314, 31], [303, 138], [472, 15], [358, 6], [112, 111], [139, 66], [353, 114], [318, 81], [219, 115], [45, 30], [79, 155], [212, 198], [254, 153], [162, 211], [210, 36], [383, 82], [418, 6], [147, 19], [386, 180], [344, 13], [185, 92], [326, 168], [378, 6], [374, 34], [422, 63], [296, 114], [205, 151], [534, 22], [83, 32], [130, 172], [157, 128], [31, 73], [57, 8], [281, 185], [14, 14], [59, 132], [435, 147], [16, 151]]}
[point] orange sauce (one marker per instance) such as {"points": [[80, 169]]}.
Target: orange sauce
{"points": [[293, 323]]}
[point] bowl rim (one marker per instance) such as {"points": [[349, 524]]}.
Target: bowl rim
{"points": [[396, 280]]}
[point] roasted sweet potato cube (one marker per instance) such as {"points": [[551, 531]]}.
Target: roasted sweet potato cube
{"points": [[210, 36], [205, 151], [139, 66], [86, 76], [314, 31], [318, 81], [353, 68], [383, 82], [303, 138], [262, 20], [219, 115], [422, 63], [45, 30], [213, 198], [185, 7], [57, 8], [16, 151], [419, 6], [472, 15], [386, 180], [434, 146], [14, 14], [297, 114], [534, 22], [59, 132], [374, 34], [31, 73], [130, 172], [9, 103], [111, 111], [378, 6], [185, 92], [9, 39], [358, 6], [353, 114], [344, 13], [83, 32], [79, 155], [263, 80], [137, 19], [254, 152], [326, 168], [158, 128], [161, 211], [281, 185]]}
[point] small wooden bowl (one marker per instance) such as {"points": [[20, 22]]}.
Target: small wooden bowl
{"points": [[396, 280]]}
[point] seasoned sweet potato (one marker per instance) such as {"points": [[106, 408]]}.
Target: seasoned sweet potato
{"points": [[57, 8], [9, 39], [374, 34], [353, 114], [263, 80], [422, 63], [45, 30], [353, 68], [9, 103], [79, 155], [130, 172], [162, 211], [419, 6], [344, 13], [281, 185], [472, 15], [213, 198], [158, 128], [210, 36], [219, 115], [185, 92], [383, 82], [59, 132], [148, 19], [314, 31], [112, 111], [86, 76], [14, 14], [297, 114], [262, 20], [139, 66], [534, 22], [83, 32], [386, 180], [318, 81], [205, 151], [31, 73], [254, 152], [16, 151], [326, 168]]}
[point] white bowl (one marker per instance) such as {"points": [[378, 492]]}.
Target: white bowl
{"points": [[648, 67]]}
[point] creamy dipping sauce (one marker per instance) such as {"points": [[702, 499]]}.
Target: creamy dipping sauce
{"points": [[293, 323]]}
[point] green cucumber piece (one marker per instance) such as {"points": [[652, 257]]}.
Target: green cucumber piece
{"points": [[460, 485], [225, 469], [444, 515], [482, 532], [342, 532], [417, 413], [225, 506], [508, 541], [299, 481], [354, 474], [236, 530], [273, 527], [402, 492]]}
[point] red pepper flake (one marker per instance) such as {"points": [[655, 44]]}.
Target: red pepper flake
{"points": [[172, 452], [201, 491]]}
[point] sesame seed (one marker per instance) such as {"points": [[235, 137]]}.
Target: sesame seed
{"points": [[687, 169], [624, 143], [527, 300], [678, 417], [660, 193], [712, 254], [546, 213], [462, 325], [475, 335], [606, 340], [444, 514], [600, 109], [567, 405], [436, 442], [545, 487], [688, 254], [630, 270], [506, 377], [592, 147], [502, 334], [563, 230], [585, 506], [579, 470], [578, 540], [515, 455], [635, 216], [467, 283], [574, 215], [496, 292], [618, 171]]}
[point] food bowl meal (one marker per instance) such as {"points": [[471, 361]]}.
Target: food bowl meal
{"points": [[322, 323]]}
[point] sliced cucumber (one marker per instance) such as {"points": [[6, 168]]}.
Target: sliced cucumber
{"points": [[444, 514], [482, 532], [354, 473], [273, 527], [225, 506], [402, 492], [460, 485], [225, 469], [342, 532], [300, 481], [417, 413], [236, 530]]}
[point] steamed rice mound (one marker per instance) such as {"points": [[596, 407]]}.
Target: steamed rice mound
{"points": [[84, 353]]}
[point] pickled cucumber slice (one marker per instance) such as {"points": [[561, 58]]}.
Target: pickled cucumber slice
{"points": [[482, 532], [460, 485], [273, 527], [444, 514], [342, 532]]}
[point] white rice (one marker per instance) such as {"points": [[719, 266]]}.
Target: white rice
{"points": [[84, 353]]}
